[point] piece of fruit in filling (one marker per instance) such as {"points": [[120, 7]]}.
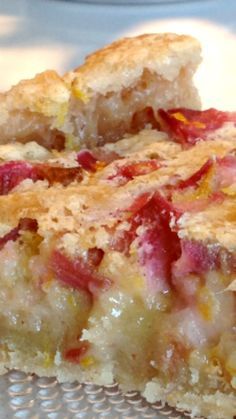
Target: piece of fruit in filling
{"points": [[182, 307], [41, 313], [14, 172], [187, 126], [185, 304]]}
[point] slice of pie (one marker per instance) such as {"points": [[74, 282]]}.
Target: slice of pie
{"points": [[117, 263]]}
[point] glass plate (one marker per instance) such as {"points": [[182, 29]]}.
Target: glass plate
{"points": [[28, 396]]}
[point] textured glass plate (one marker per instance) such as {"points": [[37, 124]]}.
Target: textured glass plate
{"points": [[28, 396]]}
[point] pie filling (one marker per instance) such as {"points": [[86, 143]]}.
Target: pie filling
{"points": [[139, 291], [92, 117]]}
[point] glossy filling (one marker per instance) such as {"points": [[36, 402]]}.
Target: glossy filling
{"points": [[150, 300]]}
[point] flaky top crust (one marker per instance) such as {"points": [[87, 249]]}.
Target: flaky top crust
{"points": [[122, 63], [108, 69], [49, 103], [46, 94], [97, 202]]}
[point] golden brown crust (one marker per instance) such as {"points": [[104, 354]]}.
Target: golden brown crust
{"points": [[50, 103], [78, 107], [97, 199], [34, 107], [96, 203], [213, 406], [212, 225], [45, 94], [122, 63]]}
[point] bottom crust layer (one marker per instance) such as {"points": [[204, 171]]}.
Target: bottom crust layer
{"points": [[223, 405]]}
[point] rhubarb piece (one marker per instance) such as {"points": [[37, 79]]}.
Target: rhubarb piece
{"points": [[127, 172], [188, 126], [86, 159], [128, 280], [118, 261], [77, 273], [25, 224], [14, 172]]}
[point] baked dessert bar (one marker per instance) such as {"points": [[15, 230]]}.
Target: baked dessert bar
{"points": [[117, 262], [117, 90]]}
